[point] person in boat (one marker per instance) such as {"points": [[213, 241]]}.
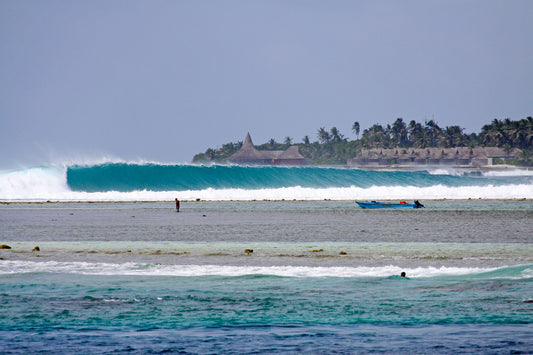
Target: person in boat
{"points": [[418, 204], [177, 205]]}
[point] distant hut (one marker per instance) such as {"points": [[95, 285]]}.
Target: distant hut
{"points": [[406, 157], [248, 154], [485, 155], [448, 156], [291, 156], [459, 156], [463, 156]]}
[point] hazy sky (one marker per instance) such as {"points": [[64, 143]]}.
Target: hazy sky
{"points": [[164, 80]]}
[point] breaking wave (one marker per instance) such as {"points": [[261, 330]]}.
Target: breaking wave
{"points": [[13, 267], [161, 182]]}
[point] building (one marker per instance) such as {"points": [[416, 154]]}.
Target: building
{"points": [[459, 156], [248, 154]]}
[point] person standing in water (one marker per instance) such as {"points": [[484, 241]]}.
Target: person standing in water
{"points": [[177, 205]]}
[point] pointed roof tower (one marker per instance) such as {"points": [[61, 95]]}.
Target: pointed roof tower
{"points": [[249, 154], [248, 141], [247, 151]]}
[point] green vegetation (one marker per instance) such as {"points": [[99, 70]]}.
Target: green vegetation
{"points": [[333, 148]]}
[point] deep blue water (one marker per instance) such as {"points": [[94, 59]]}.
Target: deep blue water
{"points": [[360, 339]]}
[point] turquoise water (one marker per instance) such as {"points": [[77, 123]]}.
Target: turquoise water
{"points": [[323, 278], [54, 301], [155, 177], [475, 313]]}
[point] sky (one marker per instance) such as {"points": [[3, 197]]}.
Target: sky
{"points": [[164, 80]]}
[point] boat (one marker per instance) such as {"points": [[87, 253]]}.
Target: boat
{"points": [[401, 204]]}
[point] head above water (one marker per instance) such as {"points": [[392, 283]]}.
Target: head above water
{"points": [[403, 274]]}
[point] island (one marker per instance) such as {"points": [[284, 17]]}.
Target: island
{"points": [[400, 145]]}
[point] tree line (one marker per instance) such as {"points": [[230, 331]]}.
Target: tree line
{"points": [[333, 147]]}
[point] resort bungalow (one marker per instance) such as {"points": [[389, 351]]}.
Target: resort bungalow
{"points": [[459, 156], [248, 154]]}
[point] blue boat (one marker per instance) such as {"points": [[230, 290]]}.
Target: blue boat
{"points": [[401, 204]]}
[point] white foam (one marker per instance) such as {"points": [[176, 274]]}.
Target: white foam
{"points": [[85, 268], [40, 183], [371, 193], [444, 171], [496, 172], [508, 172]]}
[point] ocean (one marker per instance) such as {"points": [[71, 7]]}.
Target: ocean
{"points": [[263, 260]]}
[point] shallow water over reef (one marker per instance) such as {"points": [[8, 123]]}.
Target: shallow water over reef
{"points": [[320, 277]]}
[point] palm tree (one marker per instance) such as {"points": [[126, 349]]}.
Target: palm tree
{"points": [[416, 135], [453, 137], [210, 153], [323, 135], [494, 134], [288, 141], [433, 132], [306, 140], [229, 148], [375, 137], [399, 133], [519, 133], [355, 128], [336, 135]]}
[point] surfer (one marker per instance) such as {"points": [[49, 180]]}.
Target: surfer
{"points": [[177, 205], [403, 274], [418, 204]]}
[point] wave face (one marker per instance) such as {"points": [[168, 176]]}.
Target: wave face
{"points": [[131, 177], [152, 181]]}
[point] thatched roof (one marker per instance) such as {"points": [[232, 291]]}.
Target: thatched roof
{"points": [[291, 153], [249, 153], [437, 153]]}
